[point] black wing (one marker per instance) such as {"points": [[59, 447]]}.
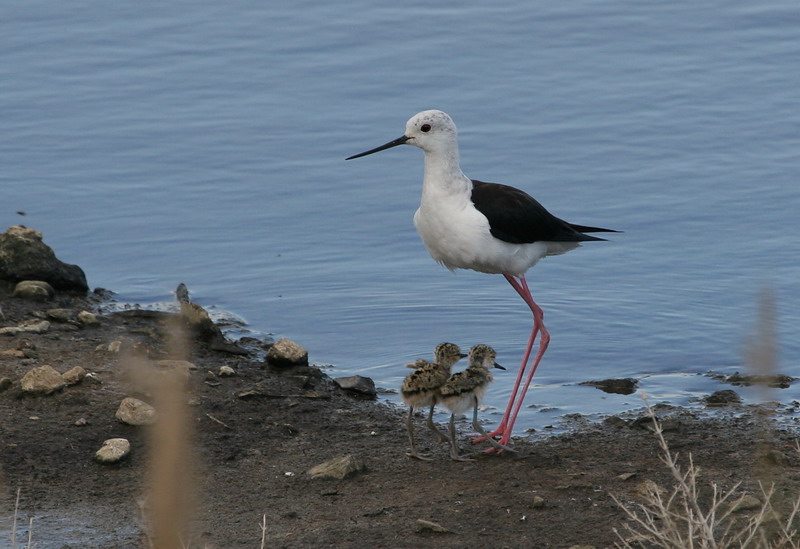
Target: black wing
{"points": [[516, 217]]}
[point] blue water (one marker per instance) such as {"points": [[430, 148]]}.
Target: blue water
{"points": [[204, 143]]}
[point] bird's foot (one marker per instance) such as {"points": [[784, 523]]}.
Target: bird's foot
{"points": [[478, 438], [498, 448], [455, 457]]}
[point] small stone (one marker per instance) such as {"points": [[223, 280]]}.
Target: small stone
{"points": [[226, 371], [286, 352], [74, 375], [87, 319], [93, 377], [615, 421], [111, 347], [135, 412], [60, 315], [44, 380], [183, 365], [113, 450], [171, 371], [626, 476], [358, 384], [16, 353], [35, 290], [428, 526], [338, 468], [5, 383], [621, 386], [537, 502], [27, 327], [723, 398], [80, 422]]}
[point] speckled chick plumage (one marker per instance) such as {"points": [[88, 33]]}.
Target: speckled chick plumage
{"points": [[464, 390], [420, 388]]}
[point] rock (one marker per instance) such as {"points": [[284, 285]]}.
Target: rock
{"points": [[35, 290], [111, 347], [358, 384], [135, 412], [60, 315], [286, 352], [537, 502], [24, 256], [73, 376], [44, 380], [40, 327], [338, 468], [182, 293], [80, 422], [5, 383], [113, 450], [16, 353], [182, 365], [203, 329], [87, 319], [428, 526], [226, 371], [722, 398], [778, 381], [198, 320], [615, 421], [622, 386]]}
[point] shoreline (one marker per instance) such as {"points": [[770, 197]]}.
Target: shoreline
{"points": [[251, 440]]}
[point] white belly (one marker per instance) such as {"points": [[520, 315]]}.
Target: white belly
{"points": [[458, 237]]}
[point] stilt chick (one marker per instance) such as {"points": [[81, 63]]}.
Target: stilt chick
{"points": [[421, 388], [465, 390]]}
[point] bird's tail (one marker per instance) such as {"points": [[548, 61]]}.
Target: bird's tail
{"points": [[584, 229]]}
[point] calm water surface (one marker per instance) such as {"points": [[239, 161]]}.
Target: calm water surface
{"points": [[200, 143]]}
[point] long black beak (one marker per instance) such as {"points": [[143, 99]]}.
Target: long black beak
{"points": [[496, 365], [389, 145]]}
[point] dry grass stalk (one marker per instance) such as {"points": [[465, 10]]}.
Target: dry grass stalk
{"points": [[677, 520], [29, 545], [167, 506]]}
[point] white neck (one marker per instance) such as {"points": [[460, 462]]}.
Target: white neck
{"points": [[443, 173]]}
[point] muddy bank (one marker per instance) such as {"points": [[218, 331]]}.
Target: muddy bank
{"points": [[254, 436]]}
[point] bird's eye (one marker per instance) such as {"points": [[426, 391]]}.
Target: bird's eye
{"points": [[425, 128]]}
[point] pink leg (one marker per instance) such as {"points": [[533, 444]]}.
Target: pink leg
{"points": [[544, 341], [521, 288]]}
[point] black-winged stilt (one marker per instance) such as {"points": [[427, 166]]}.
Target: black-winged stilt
{"points": [[486, 227], [464, 391], [421, 387]]}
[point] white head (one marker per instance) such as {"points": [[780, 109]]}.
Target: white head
{"points": [[431, 131]]}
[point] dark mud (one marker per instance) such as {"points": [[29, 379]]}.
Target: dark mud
{"points": [[254, 436]]}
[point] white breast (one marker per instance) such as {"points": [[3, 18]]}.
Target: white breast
{"points": [[457, 236]]}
